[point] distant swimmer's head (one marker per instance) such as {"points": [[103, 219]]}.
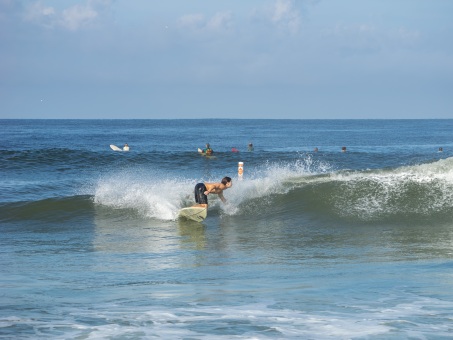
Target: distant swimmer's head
{"points": [[207, 145], [226, 181]]}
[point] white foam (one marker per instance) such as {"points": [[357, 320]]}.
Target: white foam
{"points": [[271, 179], [155, 195], [364, 194], [421, 189], [252, 321], [146, 193]]}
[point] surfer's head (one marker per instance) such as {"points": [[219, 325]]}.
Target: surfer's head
{"points": [[207, 145], [226, 181]]}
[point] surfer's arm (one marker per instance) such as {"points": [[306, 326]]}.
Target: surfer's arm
{"points": [[221, 197]]}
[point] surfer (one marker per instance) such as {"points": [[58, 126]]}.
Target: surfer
{"points": [[208, 151], [126, 147], [250, 147], [202, 190]]}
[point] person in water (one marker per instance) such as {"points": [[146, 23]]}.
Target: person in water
{"points": [[250, 147], [126, 147], [202, 190], [208, 151]]}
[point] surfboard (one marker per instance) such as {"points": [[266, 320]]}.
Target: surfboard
{"points": [[197, 214], [200, 151], [115, 148]]}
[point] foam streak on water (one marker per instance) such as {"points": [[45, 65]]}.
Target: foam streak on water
{"points": [[255, 321]]}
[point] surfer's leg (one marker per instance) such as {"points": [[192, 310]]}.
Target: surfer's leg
{"points": [[200, 197]]}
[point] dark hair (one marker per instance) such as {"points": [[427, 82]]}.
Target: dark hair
{"points": [[226, 180]]}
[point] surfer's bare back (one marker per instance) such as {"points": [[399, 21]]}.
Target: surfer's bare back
{"points": [[202, 190]]}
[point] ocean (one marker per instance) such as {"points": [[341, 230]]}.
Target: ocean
{"points": [[310, 245]]}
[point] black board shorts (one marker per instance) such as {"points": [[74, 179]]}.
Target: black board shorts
{"points": [[200, 197]]}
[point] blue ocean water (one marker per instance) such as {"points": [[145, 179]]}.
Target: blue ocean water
{"points": [[311, 244]]}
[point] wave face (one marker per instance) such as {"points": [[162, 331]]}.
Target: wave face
{"points": [[400, 194], [273, 190], [277, 191], [406, 193], [284, 190], [47, 210]]}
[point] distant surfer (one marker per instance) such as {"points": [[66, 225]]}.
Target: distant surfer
{"points": [[126, 147], [202, 190], [250, 147], [234, 150], [208, 151]]}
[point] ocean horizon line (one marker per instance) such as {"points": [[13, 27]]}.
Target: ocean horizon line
{"points": [[244, 119]]}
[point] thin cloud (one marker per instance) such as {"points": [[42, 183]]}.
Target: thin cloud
{"points": [[192, 21], [408, 36], [220, 21], [283, 15], [77, 16], [371, 38], [71, 18], [40, 14]]}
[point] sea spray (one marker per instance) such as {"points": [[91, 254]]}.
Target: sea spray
{"points": [[362, 195], [147, 193], [262, 184], [155, 194]]}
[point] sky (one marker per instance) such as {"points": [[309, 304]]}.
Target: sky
{"points": [[270, 59]]}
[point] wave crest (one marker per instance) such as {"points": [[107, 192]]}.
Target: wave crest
{"points": [[275, 191], [407, 192]]}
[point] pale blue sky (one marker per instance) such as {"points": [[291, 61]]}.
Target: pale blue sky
{"points": [[226, 59]]}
